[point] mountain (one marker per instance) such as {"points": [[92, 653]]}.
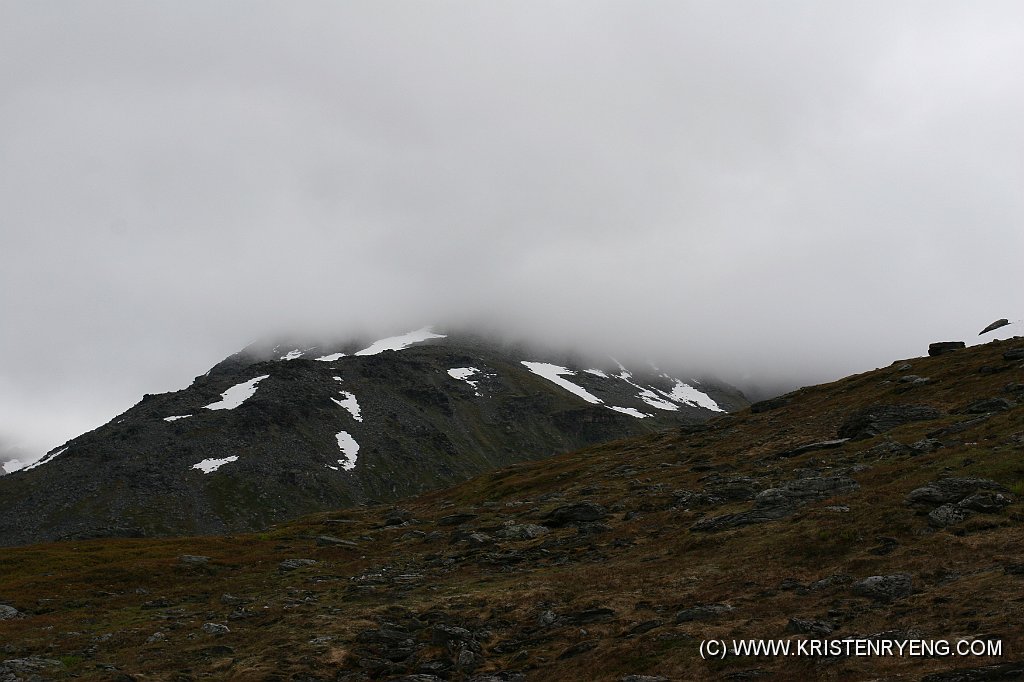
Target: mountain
{"points": [[281, 429], [879, 510]]}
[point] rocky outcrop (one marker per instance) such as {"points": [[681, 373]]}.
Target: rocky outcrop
{"points": [[876, 419]]}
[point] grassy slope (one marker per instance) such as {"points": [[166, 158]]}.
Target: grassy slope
{"points": [[96, 603]]}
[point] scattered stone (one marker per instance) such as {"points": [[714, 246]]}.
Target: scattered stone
{"points": [[729, 488], [644, 678], [885, 587], [947, 515], [9, 612], [988, 405], [13, 668], [943, 347], [479, 539], [877, 419], [809, 627], [989, 369], [215, 629], [194, 559], [575, 513], [950, 490], [442, 634], [156, 637], [913, 379], [702, 612], [294, 564], [905, 367], [926, 445], [546, 618], [525, 531]]}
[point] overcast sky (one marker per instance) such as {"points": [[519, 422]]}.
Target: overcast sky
{"points": [[779, 193]]}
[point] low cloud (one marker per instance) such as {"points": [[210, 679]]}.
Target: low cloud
{"points": [[773, 195]]}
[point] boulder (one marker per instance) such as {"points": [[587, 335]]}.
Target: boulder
{"points": [[885, 587], [947, 515], [943, 347], [950, 490], [575, 513]]}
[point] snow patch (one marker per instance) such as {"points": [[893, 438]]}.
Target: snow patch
{"points": [[330, 467], [292, 355], [400, 342], [330, 358], [236, 395], [349, 402], [554, 373], [463, 374], [11, 465], [684, 393], [46, 459], [208, 466], [177, 417], [596, 373], [633, 412], [349, 447]]}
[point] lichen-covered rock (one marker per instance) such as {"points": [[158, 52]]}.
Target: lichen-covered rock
{"points": [[885, 587]]}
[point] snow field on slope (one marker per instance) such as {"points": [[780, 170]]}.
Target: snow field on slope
{"points": [[400, 342], [350, 448], [236, 395]]}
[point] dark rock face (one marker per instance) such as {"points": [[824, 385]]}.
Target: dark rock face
{"points": [[871, 421], [943, 347], [289, 447]]}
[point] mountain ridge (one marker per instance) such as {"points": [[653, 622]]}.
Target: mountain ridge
{"points": [[605, 564], [276, 431]]}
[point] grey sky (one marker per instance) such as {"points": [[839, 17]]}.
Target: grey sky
{"points": [[778, 193]]}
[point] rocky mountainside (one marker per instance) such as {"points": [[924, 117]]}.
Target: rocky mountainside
{"points": [[279, 430], [883, 508]]}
